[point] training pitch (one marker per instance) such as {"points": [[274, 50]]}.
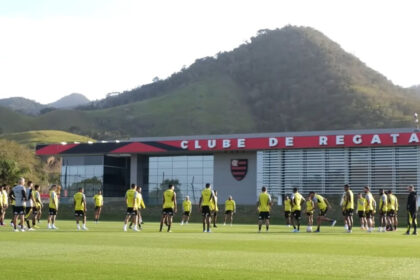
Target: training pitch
{"points": [[238, 252]]}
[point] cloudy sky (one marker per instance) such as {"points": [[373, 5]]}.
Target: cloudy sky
{"points": [[50, 48]]}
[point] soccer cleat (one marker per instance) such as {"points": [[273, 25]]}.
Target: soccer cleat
{"points": [[333, 223], [49, 226], [414, 233], [407, 233], [125, 228], [135, 229], [294, 230], [16, 230], [37, 227], [346, 227], [78, 227], [54, 227], [209, 230], [349, 231], [224, 224], [84, 228], [22, 230], [30, 229], [317, 230]]}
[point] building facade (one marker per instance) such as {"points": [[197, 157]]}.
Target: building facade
{"points": [[239, 165]]}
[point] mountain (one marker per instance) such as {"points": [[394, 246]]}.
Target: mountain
{"points": [[30, 107], [288, 79], [70, 101], [22, 105]]}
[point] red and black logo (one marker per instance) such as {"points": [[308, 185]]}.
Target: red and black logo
{"points": [[239, 168]]}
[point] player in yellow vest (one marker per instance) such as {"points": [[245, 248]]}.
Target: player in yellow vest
{"points": [[80, 208], [297, 201], [323, 205], [263, 207], [310, 206], [287, 210], [130, 199], [392, 208], [169, 207], [141, 206], [186, 209], [214, 208], [1, 206], [53, 207], [98, 200], [37, 206], [5, 200], [207, 197], [230, 209], [348, 207], [383, 209], [361, 211], [370, 209]]}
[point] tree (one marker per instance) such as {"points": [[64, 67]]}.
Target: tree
{"points": [[10, 171]]}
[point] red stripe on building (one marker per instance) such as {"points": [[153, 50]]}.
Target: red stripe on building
{"points": [[137, 147], [54, 149]]}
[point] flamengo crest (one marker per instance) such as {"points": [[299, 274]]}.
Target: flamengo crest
{"points": [[239, 168]]}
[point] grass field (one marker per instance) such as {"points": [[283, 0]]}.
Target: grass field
{"points": [[238, 252]]}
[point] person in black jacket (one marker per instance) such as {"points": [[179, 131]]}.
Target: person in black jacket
{"points": [[412, 210]]}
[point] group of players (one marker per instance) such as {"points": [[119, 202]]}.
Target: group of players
{"points": [[27, 206]]}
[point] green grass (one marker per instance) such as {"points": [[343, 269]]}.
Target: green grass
{"points": [[33, 137], [238, 252]]}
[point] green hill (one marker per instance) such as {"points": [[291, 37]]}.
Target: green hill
{"points": [[34, 137], [288, 79]]}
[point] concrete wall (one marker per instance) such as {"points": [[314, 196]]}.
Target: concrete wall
{"points": [[244, 192]]}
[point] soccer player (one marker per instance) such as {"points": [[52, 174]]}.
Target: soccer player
{"points": [[1, 206], [412, 210], [130, 199], [5, 192], [263, 207], [141, 206], [207, 196], [186, 208], [383, 208], [30, 203], [361, 211], [230, 209], [18, 194], [98, 199], [297, 200], [169, 207], [370, 208], [53, 207], [80, 208], [346, 227], [288, 210], [310, 206], [37, 206], [392, 206], [348, 207], [323, 205], [214, 208]]}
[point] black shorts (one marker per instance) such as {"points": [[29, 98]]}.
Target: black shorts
{"points": [[34, 210], [361, 214], [323, 212], [309, 213], [131, 211], [228, 212], [187, 213], [382, 213], [52, 211], [205, 211], [296, 214], [264, 216], [79, 213], [369, 214], [98, 207], [168, 211], [390, 213], [18, 210], [28, 211], [348, 212], [287, 214]]}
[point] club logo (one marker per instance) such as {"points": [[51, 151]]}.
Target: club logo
{"points": [[239, 168]]}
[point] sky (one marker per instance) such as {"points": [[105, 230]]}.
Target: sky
{"points": [[51, 48]]}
